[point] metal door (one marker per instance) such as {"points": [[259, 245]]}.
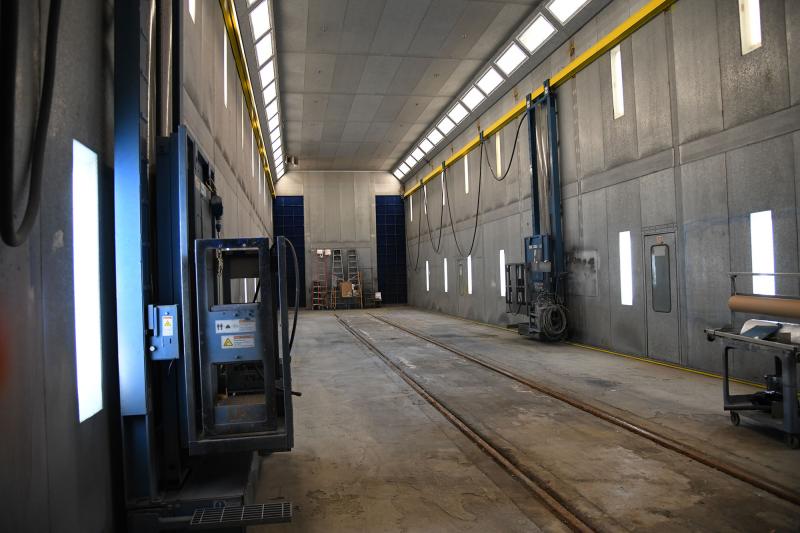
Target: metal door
{"points": [[661, 290]]}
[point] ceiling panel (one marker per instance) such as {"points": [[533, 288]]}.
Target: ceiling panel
{"points": [[361, 80]]}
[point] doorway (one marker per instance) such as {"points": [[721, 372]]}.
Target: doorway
{"points": [[661, 290]]}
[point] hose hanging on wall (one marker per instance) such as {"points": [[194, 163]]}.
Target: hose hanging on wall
{"points": [[34, 166], [477, 207], [438, 247], [419, 240], [513, 151]]}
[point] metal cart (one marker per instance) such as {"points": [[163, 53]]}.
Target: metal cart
{"points": [[777, 406]]}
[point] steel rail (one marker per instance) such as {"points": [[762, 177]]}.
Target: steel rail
{"points": [[776, 489], [613, 38], [535, 484]]}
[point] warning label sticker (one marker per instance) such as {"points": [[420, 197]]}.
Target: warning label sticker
{"points": [[167, 325], [238, 325], [230, 342]]}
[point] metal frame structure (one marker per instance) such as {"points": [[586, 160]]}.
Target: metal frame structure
{"points": [[778, 406]]}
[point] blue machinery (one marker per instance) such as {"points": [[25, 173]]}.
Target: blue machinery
{"points": [[204, 372], [213, 382], [537, 285]]}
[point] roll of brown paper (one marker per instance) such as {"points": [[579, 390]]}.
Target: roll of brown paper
{"points": [[785, 307]]}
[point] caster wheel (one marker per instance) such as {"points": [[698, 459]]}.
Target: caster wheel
{"points": [[735, 419], [793, 441]]}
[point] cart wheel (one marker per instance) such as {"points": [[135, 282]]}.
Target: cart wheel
{"points": [[735, 419], [793, 441]]}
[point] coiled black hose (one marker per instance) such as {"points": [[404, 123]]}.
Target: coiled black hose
{"points": [[9, 18]]}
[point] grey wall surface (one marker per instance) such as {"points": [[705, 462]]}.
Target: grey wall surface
{"points": [[56, 472], [339, 209], [708, 136], [222, 131]]}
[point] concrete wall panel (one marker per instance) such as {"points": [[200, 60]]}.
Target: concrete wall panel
{"points": [[697, 76], [755, 84]]}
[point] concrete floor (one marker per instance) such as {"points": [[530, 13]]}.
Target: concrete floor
{"points": [[371, 455]]}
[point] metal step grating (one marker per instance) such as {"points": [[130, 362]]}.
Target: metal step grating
{"points": [[247, 515]]}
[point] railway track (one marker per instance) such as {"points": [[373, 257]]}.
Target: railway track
{"points": [[557, 503]]}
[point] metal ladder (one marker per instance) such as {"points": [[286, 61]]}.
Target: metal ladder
{"points": [[353, 275], [319, 285], [337, 274]]}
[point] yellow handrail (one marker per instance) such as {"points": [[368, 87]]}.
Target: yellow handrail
{"points": [[235, 39], [613, 38]]}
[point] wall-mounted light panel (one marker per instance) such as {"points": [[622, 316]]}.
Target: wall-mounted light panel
{"points": [[502, 255], [750, 25], [444, 268], [536, 31], [625, 268], [564, 10], [762, 254], [427, 276], [86, 280], [263, 35], [469, 274], [618, 97]]}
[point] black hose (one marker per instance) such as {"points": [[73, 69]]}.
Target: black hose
{"points": [[296, 293], [477, 209], [513, 151], [438, 246], [35, 163], [419, 238]]}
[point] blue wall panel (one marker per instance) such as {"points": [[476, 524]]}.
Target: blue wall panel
{"points": [[288, 220], [391, 246]]}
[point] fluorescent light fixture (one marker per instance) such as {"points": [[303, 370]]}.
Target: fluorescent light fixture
{"points": [[502, 272], [225, 69], [762, 252], [279, 170], [435, 137], [397, 173], [490, 80], [410, 161], [427, 276], [277, 155], [264, 49], [618, 97], [276, 144], [274, 122], [418, 154], [192, 8], [625, 268], [444, 268], [469, 274], [270, 92], [404, 168], [425, 198], [86, 280], [564, 10], [272, 109], [259, 20], [466, 174], [426, 146], [538, 31], [446, 125], [267, 73], [458, 113], [498, 154], [511, 59], [444, 190], [275, 134], [750, 25], [411, 207], [473, 98]]}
